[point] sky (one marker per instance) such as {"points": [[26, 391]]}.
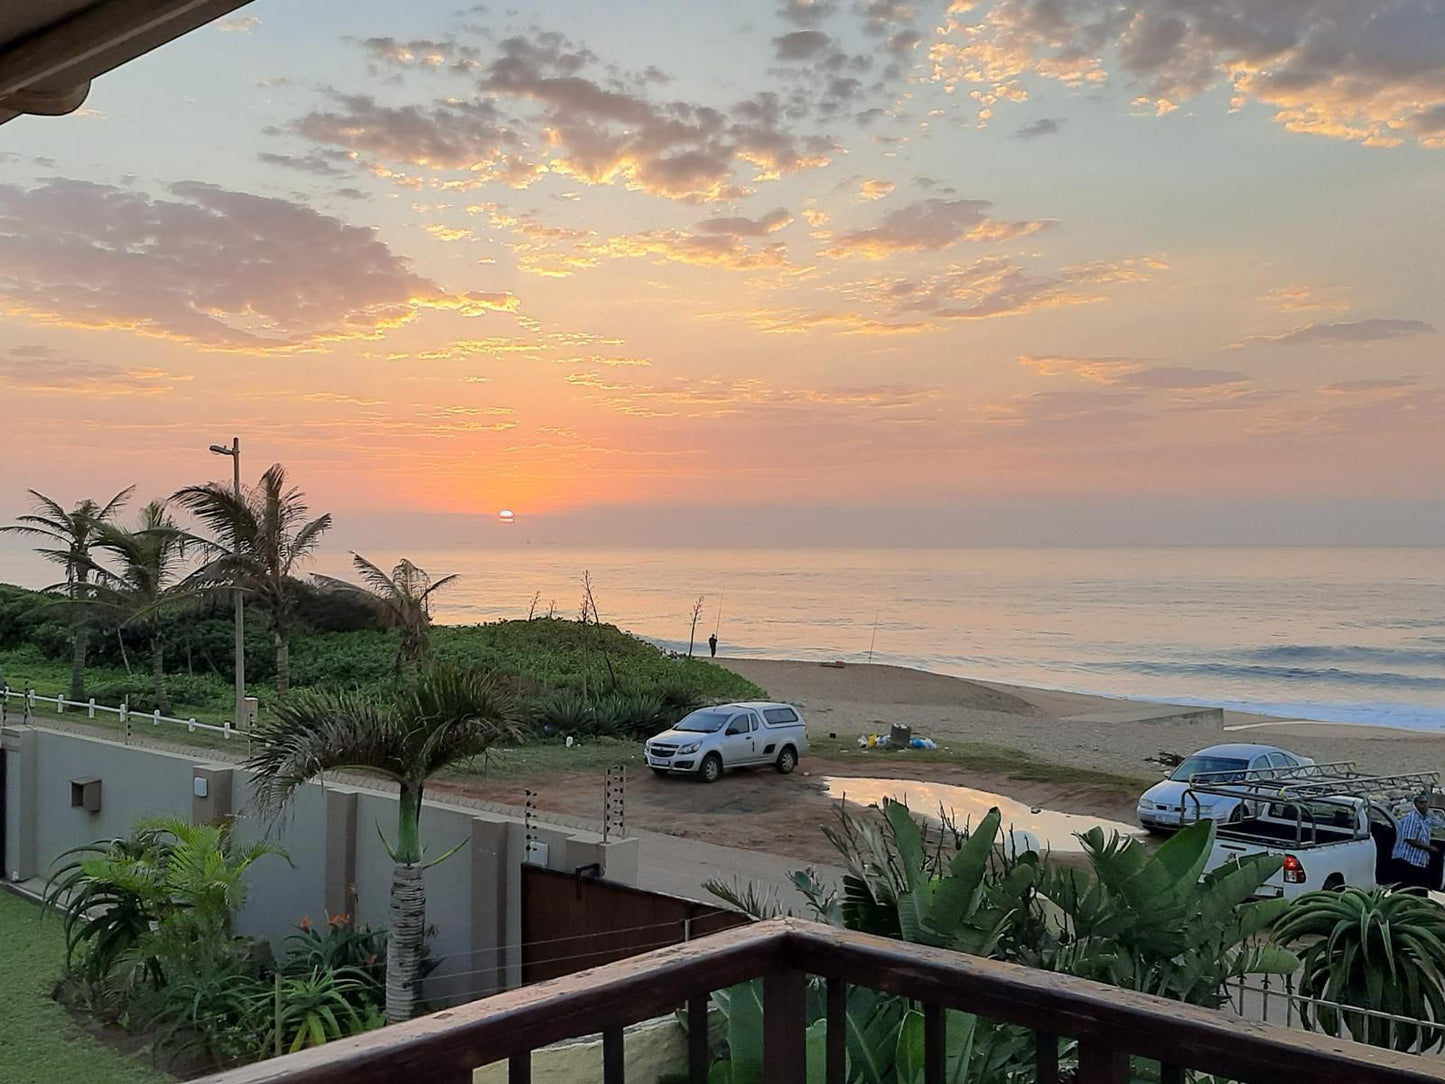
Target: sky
{"points": [[828, 271]]}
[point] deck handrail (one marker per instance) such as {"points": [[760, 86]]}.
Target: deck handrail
{"points": [[1110, 1024]]}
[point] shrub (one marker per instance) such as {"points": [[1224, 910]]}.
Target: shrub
{"points": [[340, 946], [565, 711]]}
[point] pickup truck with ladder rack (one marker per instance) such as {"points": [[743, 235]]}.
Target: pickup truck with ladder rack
{"points": [[1331, 824]]}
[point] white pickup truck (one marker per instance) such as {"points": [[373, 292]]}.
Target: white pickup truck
{"points": [[1329, 832]]}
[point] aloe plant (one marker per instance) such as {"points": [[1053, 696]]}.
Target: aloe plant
{"points": [[1382, 950]]}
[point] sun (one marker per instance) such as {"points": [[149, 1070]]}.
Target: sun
{"points": [[506, 515]]}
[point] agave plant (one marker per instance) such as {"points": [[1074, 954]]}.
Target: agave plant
{"points": [[1382, 950]]}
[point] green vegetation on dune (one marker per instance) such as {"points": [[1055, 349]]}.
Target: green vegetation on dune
{"points": [[338, 649], [39, 1042]]}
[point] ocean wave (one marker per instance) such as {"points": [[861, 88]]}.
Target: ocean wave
{"points": [[1305, 674], [1389, 656]]}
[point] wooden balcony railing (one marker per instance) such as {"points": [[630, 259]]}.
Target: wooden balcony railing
{"points": [[1109, 1024]]}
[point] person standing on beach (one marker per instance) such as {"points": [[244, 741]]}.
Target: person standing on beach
{"points": [[712, 645], [1413, 846]]}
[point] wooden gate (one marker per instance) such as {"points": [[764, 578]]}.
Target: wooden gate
{"points": [[571, 923]]}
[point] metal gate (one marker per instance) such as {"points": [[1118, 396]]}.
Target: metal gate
{"points": [[571, 923]]}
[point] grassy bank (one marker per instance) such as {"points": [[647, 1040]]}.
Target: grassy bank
{"points": [[39, 1041]]}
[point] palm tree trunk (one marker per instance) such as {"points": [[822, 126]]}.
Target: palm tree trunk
{"points": [[79, 642], [283, 662], [158, 673], [406, 934], [79, 636]]}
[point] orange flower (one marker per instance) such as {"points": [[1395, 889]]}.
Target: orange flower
{"points": [[304, 924]]}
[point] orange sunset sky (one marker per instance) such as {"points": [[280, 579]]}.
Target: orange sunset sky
{"points": [[568, 258]]}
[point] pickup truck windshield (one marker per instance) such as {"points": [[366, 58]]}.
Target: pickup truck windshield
{"points": [[1195, 765], [704, 722]]}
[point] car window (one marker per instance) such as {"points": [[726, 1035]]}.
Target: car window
{"points": [[738, 724], [1279, 760], [703, 722], [1196, 765], [1289, 761], [780, 715]]}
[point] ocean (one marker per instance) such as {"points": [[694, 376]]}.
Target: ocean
{"points": [[1343, 634], [1338, 634]]}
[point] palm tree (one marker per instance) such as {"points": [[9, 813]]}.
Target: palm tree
{"points": [[262, 537], [69, 536], [146, 581], [447, 717], [404, 599]]}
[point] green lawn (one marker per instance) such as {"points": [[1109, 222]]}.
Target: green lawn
{"points": [[39, 1042]]}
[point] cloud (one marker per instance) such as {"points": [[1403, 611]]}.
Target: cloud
{"points": [[536, 108], [801, 45], [39, 371], [1363, 70], [241, 24], [928, 226], [771, 222], [806, 12], [1357, 331], [1305, 298], [1096, 370], [1044, 126], [321, 163], [721, 397], [996, 286], [1124, 372], [1372, 387], [209, 266], [875, 189]]}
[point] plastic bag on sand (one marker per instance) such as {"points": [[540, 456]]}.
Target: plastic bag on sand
{"points": [[873, 741], [923, 743]]}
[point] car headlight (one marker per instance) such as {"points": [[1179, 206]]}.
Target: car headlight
{"points": [[692, 748]]}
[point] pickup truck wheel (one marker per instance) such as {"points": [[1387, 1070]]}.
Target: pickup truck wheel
{"points": [[712, 768], [1334, 883], [1235, 815], [787, 760]]}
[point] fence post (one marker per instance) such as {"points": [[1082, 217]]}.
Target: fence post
{"points": [[191, 724], [29, 703], [90, 709], [156, 717], [125, 717], [60, 705]]}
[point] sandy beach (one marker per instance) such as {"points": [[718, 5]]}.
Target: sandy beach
{"points": [[1068, 728]]}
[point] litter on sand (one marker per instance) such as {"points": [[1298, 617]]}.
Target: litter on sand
{"points": [[881, 741]]}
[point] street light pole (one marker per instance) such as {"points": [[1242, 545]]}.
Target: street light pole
{"points": [[234, 451]]}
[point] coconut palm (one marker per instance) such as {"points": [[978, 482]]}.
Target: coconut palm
{"points": [[144, 582], [404, 599], [68, 537], [448, 716], [261, 538], [1381, 949]]}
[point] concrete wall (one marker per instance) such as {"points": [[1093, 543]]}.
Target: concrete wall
{"points": [[337, 861]]}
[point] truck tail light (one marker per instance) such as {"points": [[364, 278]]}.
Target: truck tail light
{"points": [[1294, 872]]}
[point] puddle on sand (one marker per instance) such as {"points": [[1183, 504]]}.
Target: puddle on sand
{"points": [[1042, 829]]}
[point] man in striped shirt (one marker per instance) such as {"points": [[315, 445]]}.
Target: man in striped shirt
{"points": [[1413, 846]]}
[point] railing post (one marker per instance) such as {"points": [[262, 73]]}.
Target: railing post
{"points": [[1171, 1074], [837, 1034], [1046, 1058], [60, 705], [1100, 1063], [784, 1025], [933, 1044], [90, 709], [156, 717], [698, 1055], [613, 1066], [519, 1068]]}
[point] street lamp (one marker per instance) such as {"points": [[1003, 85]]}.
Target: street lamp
{"points": [[234, 451]]}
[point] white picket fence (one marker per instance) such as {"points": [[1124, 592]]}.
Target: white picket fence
{"points": [[128, 718]]}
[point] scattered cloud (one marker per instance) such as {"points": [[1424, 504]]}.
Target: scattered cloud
{"points": [[928, 226], [209, 266], [321, 163], [240, 24], [1096, 370], [1306, 298], [540, 105], [1372, 387], [721, 397], [1356, 331], [1044, 126], [41, 371], [1364, 70], [771, 222], [1137, 373], [875, 189]]}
